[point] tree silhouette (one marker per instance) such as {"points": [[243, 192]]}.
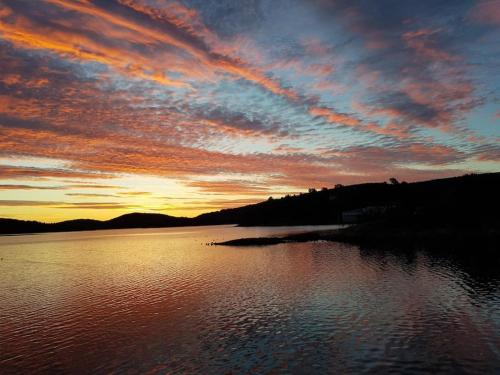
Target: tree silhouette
{"points": [[393, 181]]}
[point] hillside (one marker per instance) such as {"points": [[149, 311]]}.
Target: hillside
{"points": [[467, 201], [467, 198], [133, 220]]}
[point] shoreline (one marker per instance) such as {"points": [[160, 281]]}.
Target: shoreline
{"points": [[165, 227], [385, 235]]}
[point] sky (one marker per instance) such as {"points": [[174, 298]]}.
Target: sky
{"points": [[189, 106]]}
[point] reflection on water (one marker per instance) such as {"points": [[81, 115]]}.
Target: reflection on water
{"points": [[161, 301]]}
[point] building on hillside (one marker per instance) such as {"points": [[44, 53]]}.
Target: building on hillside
{"points": [[359, 215]]}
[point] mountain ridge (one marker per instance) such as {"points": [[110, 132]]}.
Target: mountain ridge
{"points": [[448, 199]]}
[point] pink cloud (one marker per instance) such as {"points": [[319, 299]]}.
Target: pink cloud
{"points": [[422, 42], [486, 12]]}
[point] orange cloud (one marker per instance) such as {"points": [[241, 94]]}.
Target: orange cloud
{"points": [[391, 129], [29, 187], [334, 117], [9, 172], [194, 48], [25, 34], [230, 187]]}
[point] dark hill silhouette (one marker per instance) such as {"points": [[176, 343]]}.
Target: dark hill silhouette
{"points": [[470, 198], [463, 202], [133, 220], [143, 220]]}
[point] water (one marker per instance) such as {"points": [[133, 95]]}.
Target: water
{"points": [[160, 301]]}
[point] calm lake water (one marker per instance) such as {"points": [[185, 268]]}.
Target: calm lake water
{"points": [[160, 301]]}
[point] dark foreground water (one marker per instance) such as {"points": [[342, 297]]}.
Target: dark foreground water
{"points": [[161, 301]]}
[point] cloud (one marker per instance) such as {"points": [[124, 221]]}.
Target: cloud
{"points": [[91, 195], [10, 172], [134, 193], [334, 117], [93, 186], [96, 205], [486, 12], [419, 72], [424, 45], [18, 203], [29, 187], [84, 44], [66, 205], [240, 187]]}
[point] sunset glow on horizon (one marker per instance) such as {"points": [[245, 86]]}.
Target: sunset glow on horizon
{"points": [[190, 106]]}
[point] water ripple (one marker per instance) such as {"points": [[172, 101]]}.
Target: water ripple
{"points": [[161, 302]]}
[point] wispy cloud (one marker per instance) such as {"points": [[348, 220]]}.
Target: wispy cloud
{"points": [[29, 187], [91, 195]]}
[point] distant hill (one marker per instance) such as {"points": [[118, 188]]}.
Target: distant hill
{"points": [[470, 200], [133, 220], [144, 220]]}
